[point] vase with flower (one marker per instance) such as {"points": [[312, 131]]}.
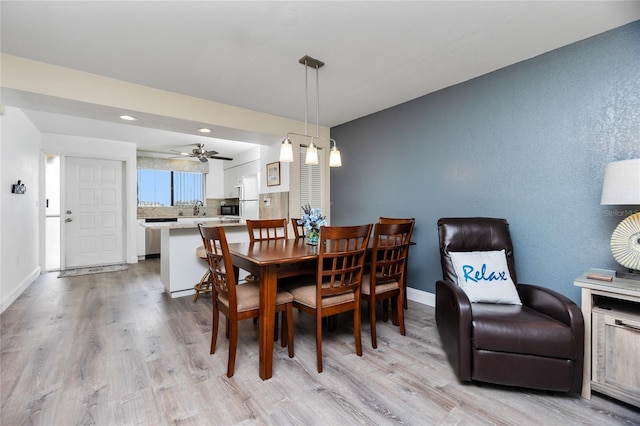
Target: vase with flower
{"points": [[312, 220]]}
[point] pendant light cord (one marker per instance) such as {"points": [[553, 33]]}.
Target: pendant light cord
{"points": [[306, 98], [317, 103]]}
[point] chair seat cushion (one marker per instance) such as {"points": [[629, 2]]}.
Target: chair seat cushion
{"points": [[248, 296], [201, 252], [306, 295], [521, 330], [381, 286]]}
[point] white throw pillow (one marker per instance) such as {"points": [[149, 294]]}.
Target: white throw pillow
{"points": [[484, 276]]}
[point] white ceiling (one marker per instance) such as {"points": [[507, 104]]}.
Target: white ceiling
{"points": [[378, 53]]}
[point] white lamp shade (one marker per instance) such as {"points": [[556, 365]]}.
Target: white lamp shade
{"points": [[621, 184], [335, 160], [312, 155], [286, 151]]}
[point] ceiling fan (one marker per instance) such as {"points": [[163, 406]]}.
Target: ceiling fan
{"points": [[202, 154]]}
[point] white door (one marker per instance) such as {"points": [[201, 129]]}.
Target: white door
{"points": [[93, 216]]}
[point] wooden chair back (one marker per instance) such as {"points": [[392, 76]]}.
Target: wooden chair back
{"points": [[386, 220], [390, 250], [221, 273], [298, 227], [396, 220], [267, 229], [386, 278], [341, 258]]}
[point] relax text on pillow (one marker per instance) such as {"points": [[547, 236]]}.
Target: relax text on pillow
{"points": [[484, 277]]}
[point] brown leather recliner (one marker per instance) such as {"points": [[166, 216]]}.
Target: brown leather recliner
{"points": [[539, 344]]}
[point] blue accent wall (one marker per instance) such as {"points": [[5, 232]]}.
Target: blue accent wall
{"points": [[528, 143]]}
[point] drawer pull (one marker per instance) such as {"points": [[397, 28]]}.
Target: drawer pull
{"points": [[635, 327]]}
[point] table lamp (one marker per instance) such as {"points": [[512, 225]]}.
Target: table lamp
{"points": [[622, 187]]}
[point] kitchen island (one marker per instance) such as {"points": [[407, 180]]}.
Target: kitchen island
{"points": [[180, 267]]}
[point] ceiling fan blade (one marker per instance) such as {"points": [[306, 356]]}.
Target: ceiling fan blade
{"points": [[200, 153]]}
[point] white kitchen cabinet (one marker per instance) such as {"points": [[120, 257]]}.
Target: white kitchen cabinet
{"points": [[215, 180], [231, 180]]}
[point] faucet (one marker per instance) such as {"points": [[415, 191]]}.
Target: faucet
{"points": [[196, 207]]}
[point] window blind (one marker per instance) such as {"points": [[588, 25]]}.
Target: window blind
{"points": [[310, 180]]}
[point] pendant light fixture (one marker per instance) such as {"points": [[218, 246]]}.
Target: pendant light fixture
{"points": [[286, 148], [335, 160]]}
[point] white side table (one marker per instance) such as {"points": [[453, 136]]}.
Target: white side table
{"points": [[611, 311]]}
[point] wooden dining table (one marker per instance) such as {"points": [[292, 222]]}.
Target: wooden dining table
{"points": [[271, 260]]}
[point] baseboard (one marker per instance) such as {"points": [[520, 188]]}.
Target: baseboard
{"points": [[8, 299], [421, 296], [182, 293]]}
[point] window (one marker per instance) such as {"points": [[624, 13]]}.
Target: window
{"points": [[169, 188], [188, 188], [310, 180]]}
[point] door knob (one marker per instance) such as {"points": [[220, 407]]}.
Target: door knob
{"points": [[68, 219], [68, 211]]}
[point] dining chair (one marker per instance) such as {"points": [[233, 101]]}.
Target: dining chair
{"points": [[385, 279], [298, 227], [400, 220], [237, 302], [267, 229], [336, 289]]}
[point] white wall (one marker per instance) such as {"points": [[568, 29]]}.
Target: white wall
{"points": [[105, 149], [19, 214]]}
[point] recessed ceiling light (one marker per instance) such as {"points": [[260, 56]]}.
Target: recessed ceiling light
{"points": [[204, 130], [128, 117]]}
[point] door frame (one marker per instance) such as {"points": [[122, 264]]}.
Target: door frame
{"points": [[64, 192], [129, 185]]}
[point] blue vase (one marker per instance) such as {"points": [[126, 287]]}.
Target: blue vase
{"points": [[312, 235]]}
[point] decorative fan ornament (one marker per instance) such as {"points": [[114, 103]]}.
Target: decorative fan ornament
{"points": [[625, 242]]}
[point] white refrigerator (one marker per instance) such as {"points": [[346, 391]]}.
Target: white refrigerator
{"points": [[248, 195]]}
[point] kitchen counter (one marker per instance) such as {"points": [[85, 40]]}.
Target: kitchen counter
{"points": [[180, 267], [192, 222]]}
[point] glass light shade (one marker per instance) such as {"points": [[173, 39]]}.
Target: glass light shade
{"points": [[312, 154], [335, 160], [286, 151], [621, 184]]}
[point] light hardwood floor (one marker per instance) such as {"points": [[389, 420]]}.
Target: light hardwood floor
{"points": [[113, 349]]}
